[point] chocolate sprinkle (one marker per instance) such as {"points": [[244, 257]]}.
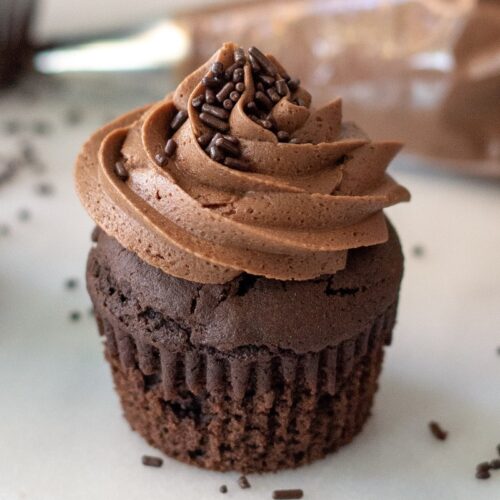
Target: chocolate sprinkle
{"points": [[243, 483], [73, 116], [151, 461], [217, 68], [482, 474], [239, 56], [161, 159], [287, 494], [418, 251], [178, 120], [204, 139], [266, 65], [214, 138], [75, 316], [255, 65], [197, 101], [495, 464], [24, 214], [170, 147], [228, 104], [229, 71], [41, 127], [28, 153], [266, 80], [273, 95], [293, 84], [281, 87], [237, 164], [8, 169], [215, 111], [251, 107], [228, 146], [120, 171], [210, 81], [263, 100], [238, 75], [266, 124], [12, 127], [240, 87], [224, 92], [216, 154], [234, 96], [214, 122], [483, 466], [71, 283], [4, 230], [283, 136], [232, 139], [44, 189], [210, 96], [437, 431], [223, 489]]}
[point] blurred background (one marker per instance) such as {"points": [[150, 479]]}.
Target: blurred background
{"points": [[426, 72]]}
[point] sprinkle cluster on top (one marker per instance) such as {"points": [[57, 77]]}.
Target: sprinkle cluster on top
{"points": [[223, 89]]}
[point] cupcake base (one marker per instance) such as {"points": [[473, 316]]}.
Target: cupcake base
{"points": [[252, 375], [264, 411]]}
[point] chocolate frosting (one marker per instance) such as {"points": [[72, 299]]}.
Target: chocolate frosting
{"points": [[294, 216]]}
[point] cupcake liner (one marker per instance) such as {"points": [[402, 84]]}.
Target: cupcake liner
{"points": [[251, 409]]}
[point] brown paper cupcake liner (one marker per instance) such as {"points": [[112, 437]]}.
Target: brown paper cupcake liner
{"points": [[251, 409]]}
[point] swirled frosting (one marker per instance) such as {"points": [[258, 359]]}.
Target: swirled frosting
{"points": [[293, 216]]}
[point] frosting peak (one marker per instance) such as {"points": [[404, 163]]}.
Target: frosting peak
{"points": [[236, 172]]}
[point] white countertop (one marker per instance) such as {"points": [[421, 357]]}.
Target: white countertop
{"points": [[61, 431]]}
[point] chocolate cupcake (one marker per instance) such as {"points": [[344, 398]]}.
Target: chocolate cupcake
{"points": [[244, 276]]}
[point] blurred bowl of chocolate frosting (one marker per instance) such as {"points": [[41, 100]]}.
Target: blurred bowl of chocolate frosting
{"points": [[426, 72]]}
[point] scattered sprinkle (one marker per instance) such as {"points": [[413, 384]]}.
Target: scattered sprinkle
{"points": [[178, 120], [71, 283], [12, 127], [42, 127], [495, 464], [223, 489], [4, 230], [243, 483], [24, 214], [152, 461], [28, 153], [161, 159], [437, 431], [73, 116], [75, 316], [170, 147], [44, 189], [120, 171], [287, 494], [482, 474], [418, 251], [483, 466]]}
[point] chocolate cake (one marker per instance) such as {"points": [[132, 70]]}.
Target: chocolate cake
{"points": [[244, 276]]}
